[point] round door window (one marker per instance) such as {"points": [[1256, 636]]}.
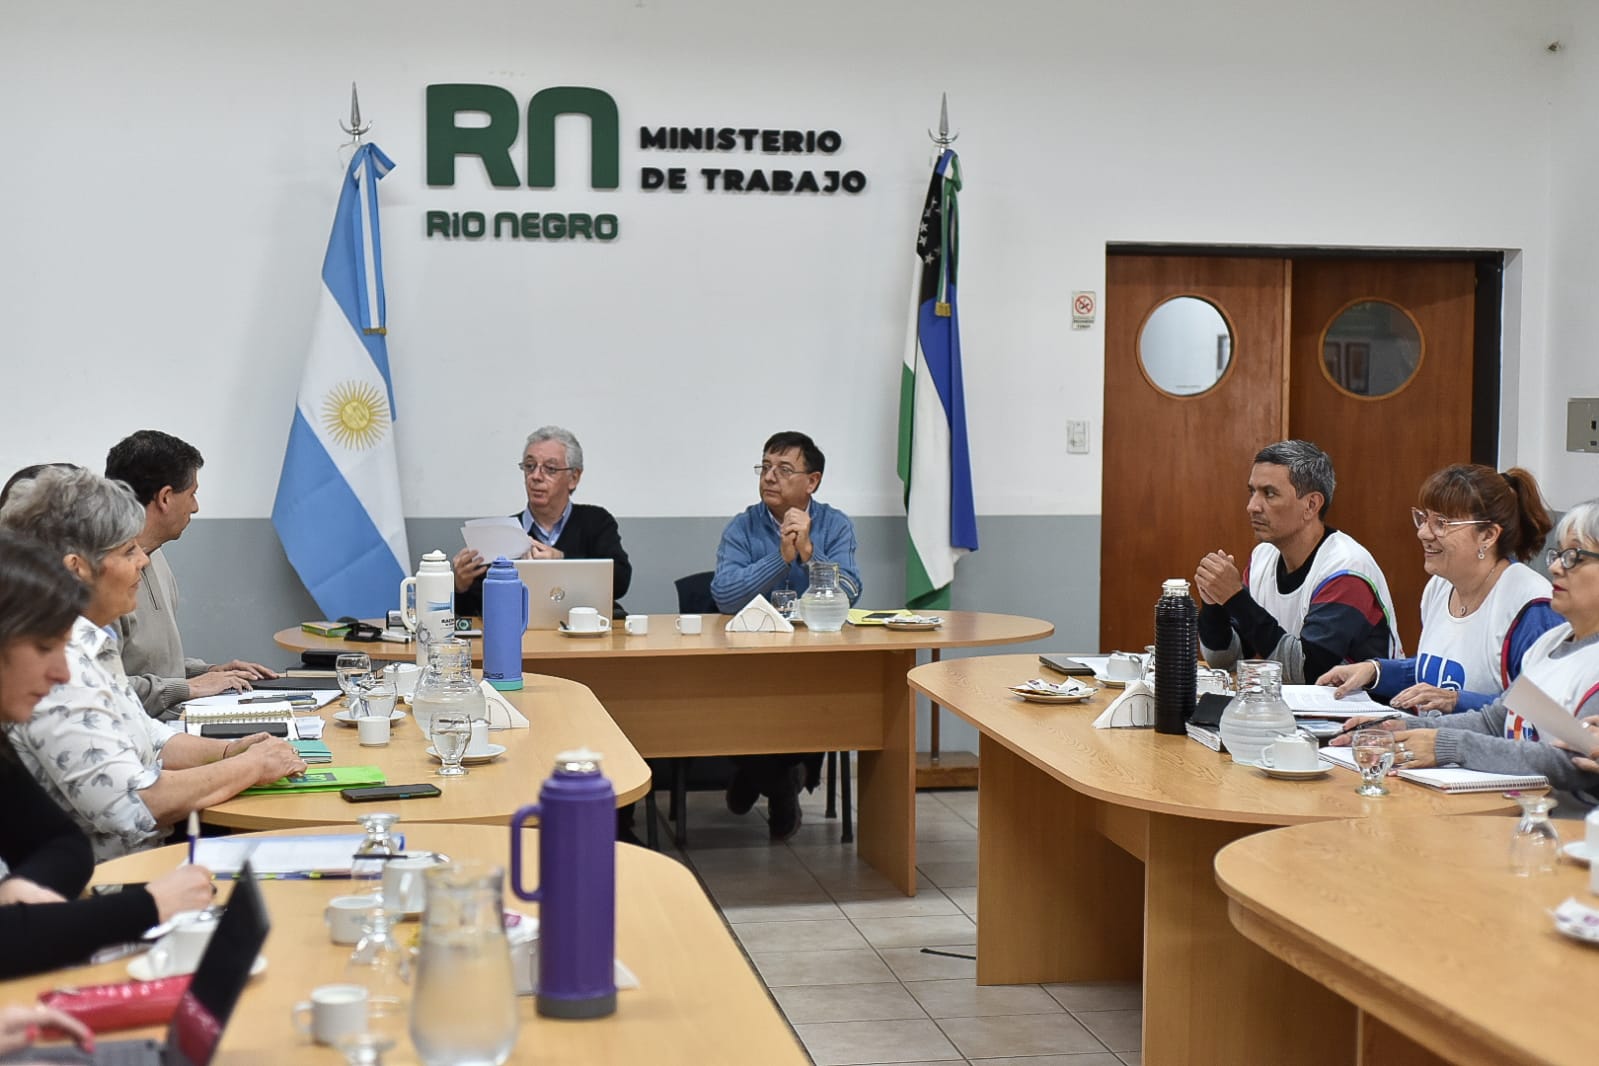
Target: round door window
{"points": [[1185, 346], [1372, 348]]}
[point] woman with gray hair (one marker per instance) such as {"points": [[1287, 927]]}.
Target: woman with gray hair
{"points": [[125, 778], [1564, 663]]}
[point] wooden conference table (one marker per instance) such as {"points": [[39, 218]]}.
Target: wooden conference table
{"points": [[1419, 923], [721, 693], [697, 1002], [1095, 863], [562, 716]]}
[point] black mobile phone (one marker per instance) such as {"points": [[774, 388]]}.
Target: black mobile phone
{"points": [[235, 730], [374, 793], [1061, 664]]}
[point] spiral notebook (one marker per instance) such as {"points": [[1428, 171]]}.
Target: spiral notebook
{"points": [[1449, 778]]}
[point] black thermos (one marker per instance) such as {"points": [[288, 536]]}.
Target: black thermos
{"points": [[1176, 656]]}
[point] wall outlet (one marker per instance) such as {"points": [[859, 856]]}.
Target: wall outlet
{"points": [[1582, 425], [1077, 436]]}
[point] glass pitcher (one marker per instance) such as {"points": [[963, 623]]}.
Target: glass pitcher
{"points": [[1257, 715], [825, 605], [463, 1009], [447, 684]]}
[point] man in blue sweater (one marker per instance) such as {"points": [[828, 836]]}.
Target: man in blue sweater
{"points": [[767, 547]]}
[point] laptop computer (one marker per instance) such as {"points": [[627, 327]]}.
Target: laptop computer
{"points": [[207, 1004], [555, 586]]}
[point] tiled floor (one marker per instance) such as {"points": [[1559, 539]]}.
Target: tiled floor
{"points": [[842, 951]]}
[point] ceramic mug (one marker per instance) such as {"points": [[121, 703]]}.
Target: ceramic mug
{"points": [[402, 882], [179, 951], [479, 744], [333, 1011], [586, 620], [638, 625], [689, 624], [1123, 666], [1291, 751], [346, 916], [374, 731]]}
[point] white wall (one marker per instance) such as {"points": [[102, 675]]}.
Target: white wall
{"points": [[171, 166]]}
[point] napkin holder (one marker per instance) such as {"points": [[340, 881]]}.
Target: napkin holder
{"points": [[759, 616], [1133, 709]]}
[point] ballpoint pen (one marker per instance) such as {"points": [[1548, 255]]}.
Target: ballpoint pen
{"points": [[194, 833]]}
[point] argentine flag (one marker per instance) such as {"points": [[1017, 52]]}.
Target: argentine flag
{"points": [[338, 506], [934, 462]]}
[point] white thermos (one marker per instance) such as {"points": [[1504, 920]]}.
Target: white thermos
{"points": [[427, 602]]}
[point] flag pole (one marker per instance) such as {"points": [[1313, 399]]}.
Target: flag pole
{"points": [[355, 129]]}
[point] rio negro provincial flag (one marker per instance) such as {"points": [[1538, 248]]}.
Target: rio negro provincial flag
{"points": [[338, 506], [934, 462]]}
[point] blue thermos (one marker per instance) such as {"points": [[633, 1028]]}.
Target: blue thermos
{"points": [[505, 608], [577, 888]]}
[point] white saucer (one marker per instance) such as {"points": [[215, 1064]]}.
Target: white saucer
{"points": [[494, 752], [1294, 775], [343, 717], [917, 623], [1112, 682], [1044, 697], [140, 970], [565, 632], [1577, 851]]}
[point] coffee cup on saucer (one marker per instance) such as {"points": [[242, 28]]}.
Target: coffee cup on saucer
{"points": [[404, 676], [179, 951], [586, 620], [479, 744], [1123, 666], [346, 916], [333, 1011], [1294, 752]]}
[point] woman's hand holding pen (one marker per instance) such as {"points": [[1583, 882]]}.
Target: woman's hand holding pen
{"points": [[1345, 736], [188, 888]]}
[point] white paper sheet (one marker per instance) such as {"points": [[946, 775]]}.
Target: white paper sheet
{"points": [[493, 537], [279, 856], [1316, 701], [1550, 719]]}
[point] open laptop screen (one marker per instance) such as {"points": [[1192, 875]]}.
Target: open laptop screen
{"points": [[219, 981]]}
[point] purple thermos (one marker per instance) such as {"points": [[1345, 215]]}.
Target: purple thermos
{"points": [[577, 890], [505, 606]]}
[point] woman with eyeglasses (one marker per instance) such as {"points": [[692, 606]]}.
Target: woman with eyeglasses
{"points": [[47, 859], [1564, 663], [1483, 607]]}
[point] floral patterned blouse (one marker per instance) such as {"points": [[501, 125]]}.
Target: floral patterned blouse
{"points": [[93, 747]]}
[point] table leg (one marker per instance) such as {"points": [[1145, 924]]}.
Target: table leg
{"points": [[1056, 901], [1383, 1045], [886, 825], [1212, 997]]}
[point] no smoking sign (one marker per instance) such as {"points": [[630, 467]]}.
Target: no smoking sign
{"points": [[1084, 308]]}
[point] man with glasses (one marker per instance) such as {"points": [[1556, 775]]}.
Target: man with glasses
{"points": [[551, 467], [1310, 597], [767, 547]]}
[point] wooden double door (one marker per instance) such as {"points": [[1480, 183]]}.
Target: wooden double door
{"points": [[1175, 466]]}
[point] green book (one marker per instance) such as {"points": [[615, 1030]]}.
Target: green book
{"points": [[313, 751], [329, 780]]}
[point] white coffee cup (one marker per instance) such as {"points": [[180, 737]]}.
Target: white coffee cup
{"points": [[333, 1011], [1291, 751], [402, 883], [374, 731], [404, 676], [479, 744], [586, 620], [689, 624], [179, 951], [346, 915], [1123, 666], [638, 625]]}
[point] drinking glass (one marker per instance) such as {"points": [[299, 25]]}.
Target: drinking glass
{"points": [[783, 600], [354, 669], [1374, 755], [451, 732], [1534, 846], [378, 697]]}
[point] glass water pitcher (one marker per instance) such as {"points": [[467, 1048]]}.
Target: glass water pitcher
{"points": [[447, 684], [825, 605], [463, 1008]]}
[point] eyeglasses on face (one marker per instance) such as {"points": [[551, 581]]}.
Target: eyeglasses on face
{"points": [[1570, 558], [549, 470], [1437, 524], [782, 470]]}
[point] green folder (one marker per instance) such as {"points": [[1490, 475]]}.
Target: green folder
{"points": [[328, 779]]}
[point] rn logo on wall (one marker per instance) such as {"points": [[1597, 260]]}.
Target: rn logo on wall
{"points": [[489, 140]]}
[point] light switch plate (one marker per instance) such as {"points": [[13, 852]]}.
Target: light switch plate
{"points": [[1077, 436], [1582, 425]]}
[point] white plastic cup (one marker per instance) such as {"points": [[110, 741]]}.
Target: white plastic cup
{"points": [[374, 731], [346, 916], [689, 624], [332, 1011], [638, 625]]}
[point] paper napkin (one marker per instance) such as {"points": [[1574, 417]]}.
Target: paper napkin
{"points": [[1133, 709], [759, 616]]}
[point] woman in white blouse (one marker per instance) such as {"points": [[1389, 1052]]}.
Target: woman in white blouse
{"points": [[125, 778]]}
